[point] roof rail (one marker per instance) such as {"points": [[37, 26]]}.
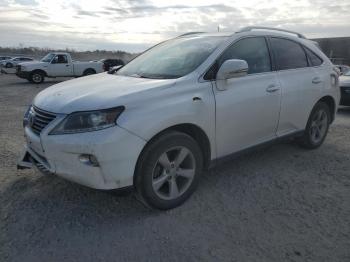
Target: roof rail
{"points": [[191, 33], [250, 28]]}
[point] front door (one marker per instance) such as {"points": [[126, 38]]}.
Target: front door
{"points": [[247, 111], [60, 67]]}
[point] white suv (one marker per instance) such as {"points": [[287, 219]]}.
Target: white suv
{"points": [[178, 108]]}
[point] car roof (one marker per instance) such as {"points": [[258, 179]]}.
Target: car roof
{"points": [[294, 36], [59, 53], [22, 57], [248, 31]]}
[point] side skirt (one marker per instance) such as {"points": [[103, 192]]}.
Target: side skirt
{"points": [[234, 155]]}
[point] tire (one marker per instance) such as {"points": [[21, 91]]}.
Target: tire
{"points": [[317, 127], [37, 77], [9, 65], [89, 71], [162, 182]]}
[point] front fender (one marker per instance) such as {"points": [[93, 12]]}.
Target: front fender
{"points": [[170, 107], [38, 69]]}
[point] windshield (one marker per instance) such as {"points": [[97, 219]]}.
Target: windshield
{"points": [[48, 58], [172, 59]]}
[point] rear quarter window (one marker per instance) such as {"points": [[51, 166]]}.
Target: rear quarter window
{"points": [[314, 59]]}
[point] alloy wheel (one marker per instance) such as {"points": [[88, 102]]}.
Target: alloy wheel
{"points": [[173, 173], [319, 125]]}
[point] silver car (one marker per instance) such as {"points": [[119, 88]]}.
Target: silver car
{"points": [[181, 107], [15, 61]]}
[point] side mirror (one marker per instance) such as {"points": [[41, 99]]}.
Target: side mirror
{"points": [[232, 68], [114, 69]]}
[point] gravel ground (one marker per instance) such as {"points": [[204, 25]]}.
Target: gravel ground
{"points": [[282, 203]]}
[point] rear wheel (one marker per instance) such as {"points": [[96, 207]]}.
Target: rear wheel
{"points": [[89, 72], [168, 170], [317, 126]]}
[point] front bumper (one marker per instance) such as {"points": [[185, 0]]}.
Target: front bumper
{"points": [[23, 74], [115, 148], [345, 95]]}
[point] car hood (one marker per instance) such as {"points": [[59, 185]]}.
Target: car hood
{"points": [[344, 80], [32, 63], [95, 92]]}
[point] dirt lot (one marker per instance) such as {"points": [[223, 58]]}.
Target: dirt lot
{"points": [[281, 203]]}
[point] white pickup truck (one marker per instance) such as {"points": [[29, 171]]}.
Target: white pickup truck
{"points": [[56, 64]]}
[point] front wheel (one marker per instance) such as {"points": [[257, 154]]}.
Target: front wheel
{"points": [[317, 126], [168, 170], [36, 77]]}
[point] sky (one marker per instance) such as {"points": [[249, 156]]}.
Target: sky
{"points": [[138, 24]]}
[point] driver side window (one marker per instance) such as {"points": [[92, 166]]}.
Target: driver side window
{"points": [[253, 50], [60, 59]]}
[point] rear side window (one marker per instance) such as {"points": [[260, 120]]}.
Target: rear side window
{"points": [[289, 54], [313, 58], [253, 50]]}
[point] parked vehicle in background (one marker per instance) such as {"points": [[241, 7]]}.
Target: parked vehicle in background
{"points": [[178, 108], [114, 69], [15, 61], [57, 64], [109, 63], [343, 69], [2, 58], [344, 83]]}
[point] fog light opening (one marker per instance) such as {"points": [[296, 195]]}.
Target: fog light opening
{"points": [[90, 160]]}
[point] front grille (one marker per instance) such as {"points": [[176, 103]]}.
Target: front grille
{"points": [[18, 68], [39, 119]]}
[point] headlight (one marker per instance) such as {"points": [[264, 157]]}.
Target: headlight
{"points": [[88, 121]]}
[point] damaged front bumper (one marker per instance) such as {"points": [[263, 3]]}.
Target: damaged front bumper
{"points": [[30, 159], [115, 151]]}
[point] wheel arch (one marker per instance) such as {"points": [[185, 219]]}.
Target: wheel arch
{"points": [[331, 103], [89, 69], [193, 131], [39, 71]]}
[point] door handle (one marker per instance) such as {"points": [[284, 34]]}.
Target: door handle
{"points": [[272, 88], [67, 65]]}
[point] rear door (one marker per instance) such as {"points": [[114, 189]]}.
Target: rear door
{"points": [[247, 110], [300, 84]]}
